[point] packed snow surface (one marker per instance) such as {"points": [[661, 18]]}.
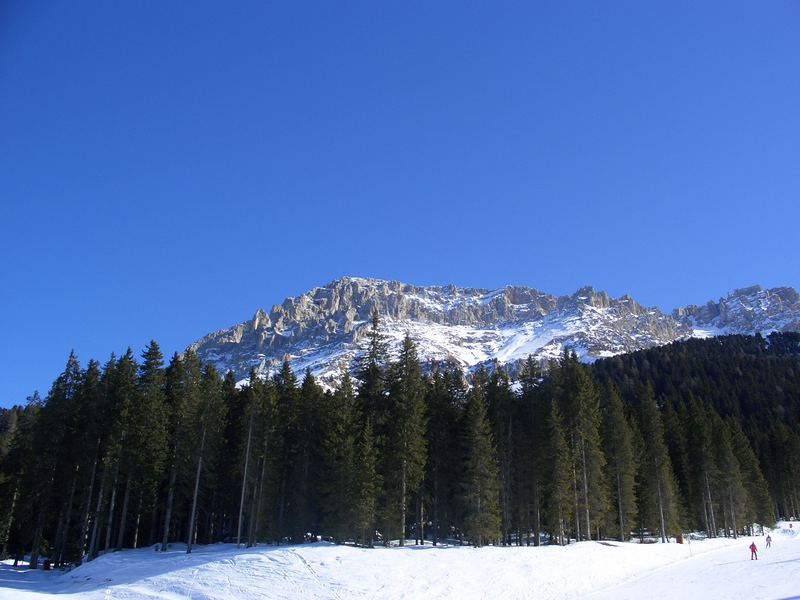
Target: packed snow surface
{"points": [[707, 569]]}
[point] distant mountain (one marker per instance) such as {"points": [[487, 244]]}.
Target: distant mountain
{"points": [[323, 330]]}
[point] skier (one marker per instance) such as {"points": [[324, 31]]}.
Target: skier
{"points": [[769, 541], [753, 551]]}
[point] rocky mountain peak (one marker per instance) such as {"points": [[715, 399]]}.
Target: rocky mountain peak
{"points": [[323, 328]]}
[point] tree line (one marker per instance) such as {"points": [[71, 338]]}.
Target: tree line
{"points": [[698, 435]]}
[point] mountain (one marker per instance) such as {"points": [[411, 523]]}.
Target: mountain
{"points": [[323, 330]]}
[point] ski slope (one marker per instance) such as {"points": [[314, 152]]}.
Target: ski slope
{"points": [[707, 569]]}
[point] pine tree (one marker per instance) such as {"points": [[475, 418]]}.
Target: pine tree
{"points": [[338, 456], [183, 394], [207, 425], [621, 465], [481, 473], [406, 444], [130, 445], [443, 399], [580, 405], [658, 502], [288, 440], [502, 407], [759, 505], [371, 372], [110, 445], [228, 473], [304, 492], [266, 443], [533, 442], [152, 419], [558, 479], [55, 474], [366, 486], [703, 469], [728, 483]]}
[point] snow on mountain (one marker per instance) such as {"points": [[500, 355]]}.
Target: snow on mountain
{"points": [[323, 330], [746, 310]]}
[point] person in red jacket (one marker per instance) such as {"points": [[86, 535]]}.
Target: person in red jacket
{"points": [[753, 551]]}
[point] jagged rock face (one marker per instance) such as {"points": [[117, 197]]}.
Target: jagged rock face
{"points": [[746, 310], [323, 329]]}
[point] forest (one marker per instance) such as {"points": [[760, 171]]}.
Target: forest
{"points": [[699, 436]]}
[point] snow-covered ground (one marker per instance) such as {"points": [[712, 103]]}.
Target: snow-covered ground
{"points": [[709, 569]]}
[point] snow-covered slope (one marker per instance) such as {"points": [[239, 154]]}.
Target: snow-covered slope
{"points": [[710, 569], [323, 330]]}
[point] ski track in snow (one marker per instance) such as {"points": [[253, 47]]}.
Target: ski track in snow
{"points": [[710, 569]]}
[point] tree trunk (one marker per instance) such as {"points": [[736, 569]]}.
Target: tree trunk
{"points": [[403, 503], [9, 521], [173, 476], [251, 526], [419, 533], [282, 494], [261, 476], [619, 504], [87, 512], [110, 519], [196, 489], [661, 512], [62, 546], [711, 507], [435, 535], [706, 520], [575, 498], [96, 519], [733, 515], [585, 491], [138, 520], [37, 540], [154, 520], [537, 515], [123, 518], [244, 481]]}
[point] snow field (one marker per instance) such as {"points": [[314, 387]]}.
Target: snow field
{"points": [[709, 569]]}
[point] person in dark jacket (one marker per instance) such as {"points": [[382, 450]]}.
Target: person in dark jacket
{"points": [[753, 551], [769, 541]]}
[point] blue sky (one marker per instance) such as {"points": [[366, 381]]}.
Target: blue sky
{"points": [[168, 167]]}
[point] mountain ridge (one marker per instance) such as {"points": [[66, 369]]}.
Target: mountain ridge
{"points": [[322, 329]]}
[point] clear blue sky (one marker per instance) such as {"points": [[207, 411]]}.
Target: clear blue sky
{"points": [[168, 167]]}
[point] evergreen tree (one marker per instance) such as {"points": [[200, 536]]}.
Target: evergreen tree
{"points": [[443, 398], [55, 469], [338, 483], [207, 425], [183, 396], [129, 446], [533, 444], [502, 407], [304, 492], [288, 440], [366, 486], [481, 475], [758, 504], [269, 442], [558, 478], [728, 483], [658, 500], [371, 372], [703, 469], [581, 409], [406, 448], [152, 422], [621, 465]]}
